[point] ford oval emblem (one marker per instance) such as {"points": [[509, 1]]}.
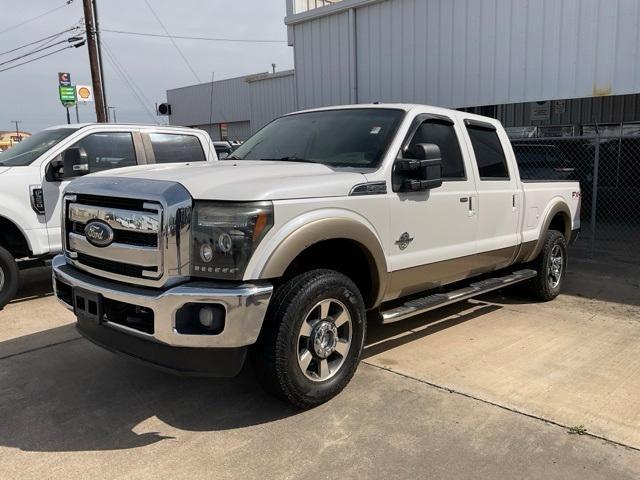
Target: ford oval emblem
{"points": [[98, 233]]}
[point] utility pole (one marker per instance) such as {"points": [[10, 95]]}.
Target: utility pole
{"points": [[17, 129], [93, 62], [99, 45]]}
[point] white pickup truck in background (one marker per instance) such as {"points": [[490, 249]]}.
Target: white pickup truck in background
{"points": [[321, 220], [34, 173]]}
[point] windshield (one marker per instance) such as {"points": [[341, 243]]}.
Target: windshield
{"points": [[25, 152], [341, 138]]}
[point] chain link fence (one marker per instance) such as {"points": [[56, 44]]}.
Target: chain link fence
{"points": [[608, 169]]}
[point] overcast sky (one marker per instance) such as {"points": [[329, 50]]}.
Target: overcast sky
{"points": [[29, 93]]}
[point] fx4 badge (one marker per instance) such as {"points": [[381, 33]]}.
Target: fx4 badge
{"points": [[404, 240]]}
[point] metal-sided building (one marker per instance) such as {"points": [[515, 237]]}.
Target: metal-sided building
{"points": [[561, 65], [233, 108], [578, 58]]}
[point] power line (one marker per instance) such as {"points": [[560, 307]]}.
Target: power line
{"points": [[172, 40], [68, 40], [68, 2], [50, 37], [75, 29], [128, 81], [183, 37], [43, 56]]}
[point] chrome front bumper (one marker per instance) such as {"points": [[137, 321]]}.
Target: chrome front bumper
{"points": [[245, 306]]}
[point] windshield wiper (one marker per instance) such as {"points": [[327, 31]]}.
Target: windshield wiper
{"points": [[291, 158]]}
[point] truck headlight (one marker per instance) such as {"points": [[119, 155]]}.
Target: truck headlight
{"points": [[225, 235]]}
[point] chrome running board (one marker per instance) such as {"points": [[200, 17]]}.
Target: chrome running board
{"points": [[437, 300]]}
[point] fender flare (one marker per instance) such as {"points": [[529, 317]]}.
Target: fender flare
{"points": [[330, 228], [559, 207]]}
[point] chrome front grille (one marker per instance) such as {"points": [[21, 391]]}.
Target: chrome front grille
{"points": [[135, 250], [150, 240]]}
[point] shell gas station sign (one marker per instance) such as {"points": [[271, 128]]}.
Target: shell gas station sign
{"points": [[84, 93]]}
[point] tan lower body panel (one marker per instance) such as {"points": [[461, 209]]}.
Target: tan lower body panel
{"points": [[425, 277]]}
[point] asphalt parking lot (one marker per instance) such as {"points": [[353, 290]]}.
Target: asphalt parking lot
{"points": [[489, 388]]}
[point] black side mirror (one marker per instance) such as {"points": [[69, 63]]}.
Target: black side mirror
{"points": [[54, 172], [75, 163], [422, 172]]}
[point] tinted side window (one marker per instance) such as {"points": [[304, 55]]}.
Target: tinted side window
{"points": [[444, 136], [108, 150], [171, 147], [492, 163]]}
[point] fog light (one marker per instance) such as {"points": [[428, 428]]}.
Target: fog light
{"points": [[206, 317], [206, 252], [200, 319]]}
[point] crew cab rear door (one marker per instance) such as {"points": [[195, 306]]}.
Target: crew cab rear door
{"points": [[499, 196]]}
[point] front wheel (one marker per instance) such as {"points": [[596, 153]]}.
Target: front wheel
{"points": [[551, 266], [312, 338], [8, 277]]}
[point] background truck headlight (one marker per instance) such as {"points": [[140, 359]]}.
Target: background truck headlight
{"points": [[225, 235]]}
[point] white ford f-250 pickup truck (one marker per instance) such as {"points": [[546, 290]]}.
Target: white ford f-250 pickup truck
{"points": [[33, 176], [321, 220]]}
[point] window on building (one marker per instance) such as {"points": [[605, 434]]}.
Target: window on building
{"points": [[107, 150], [490, 158], [171, 148], [443, 135]]}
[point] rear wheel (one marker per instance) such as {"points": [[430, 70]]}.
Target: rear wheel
{"points": [[8, 277], [551, 266], [312, 338]]}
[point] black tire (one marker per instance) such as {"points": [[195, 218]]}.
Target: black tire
{"points": [[548, 283], [8, 277], [278, 356]]}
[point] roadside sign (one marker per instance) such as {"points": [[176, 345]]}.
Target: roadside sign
{"points": [[64, 79], [84, 93], [67, 95]]}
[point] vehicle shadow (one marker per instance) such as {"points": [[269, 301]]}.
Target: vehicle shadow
{"points": [[34, 283], [74, 396]]}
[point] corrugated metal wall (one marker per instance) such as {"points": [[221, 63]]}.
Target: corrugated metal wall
{"points": [[461, 53], [192, 105], [321, 57], [271, 97], [245, 104], [238, 130], [613, 109]]}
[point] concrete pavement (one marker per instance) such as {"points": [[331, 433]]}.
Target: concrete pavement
{"points": [[515, 370]]}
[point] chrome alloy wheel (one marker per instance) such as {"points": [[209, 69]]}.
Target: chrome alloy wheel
{"points": [[556, 263], [324, 340]]}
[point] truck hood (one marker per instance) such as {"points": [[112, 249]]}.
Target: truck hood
{"points": [[249, 179]]}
